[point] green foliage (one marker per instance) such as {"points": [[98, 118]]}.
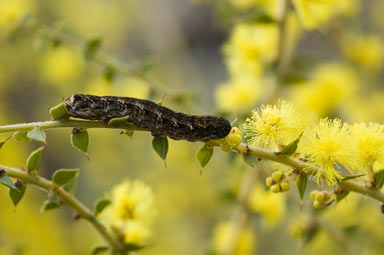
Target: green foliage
{"points": [[301, 183], [160, 145], [91, 46], [204, 155], [341, 195], [64, 176], [17, 195], [4, 179], [379, 178], [80, 140], [59, 112], [99, 250], [291, 148], [251, 160], [37, 135], [21, 136], [118, 122], [33, 161], [100, 205]]}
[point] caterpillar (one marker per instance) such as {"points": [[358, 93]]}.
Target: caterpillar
{"points": [[159, 120]]}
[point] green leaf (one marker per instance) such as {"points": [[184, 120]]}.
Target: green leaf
{"points": [[133, 247], [17, 195], [341, 195], [37, 135], [63, 176], [99, 250], [4, 141], [379, 178], [289, 149], [91, 46], [100, 205], [49, 205], [118, 122], [251, 160], [21, 136], [301, 183], [204, 155], [71, 185], [160, 145], [4, 179], [109, 74], [350, 177], [33, 161], [80, 140], [59, 112]]}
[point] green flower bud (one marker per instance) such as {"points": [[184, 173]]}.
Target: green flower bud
{"points": [[277, 176], [285, 186], [269, 182]]}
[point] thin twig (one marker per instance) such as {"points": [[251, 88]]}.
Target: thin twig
{"points": [[69, 200]]}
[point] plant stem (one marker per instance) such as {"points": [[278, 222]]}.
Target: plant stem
{"points": [[70, 200], [300, 165], [55, 124]]}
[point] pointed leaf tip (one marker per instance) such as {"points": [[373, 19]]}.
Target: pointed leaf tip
{"points": [[63, 176], [80, 140], [160, 145], [204, 155], [37, 135], [33, 161]]}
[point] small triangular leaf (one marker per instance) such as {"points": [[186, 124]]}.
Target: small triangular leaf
{"points": [[37, 135], [33, 161], [160, 145], [17, 195], [80, 140], [91, 46], [379, 178], [350, 177], [118, 122], [301, 183], [21, 136], [63, 176], [4, 141], [100, 205], [71, 185], [133, 247], [289, 149], [59, 112], [251, 160], [341, 195], [4, 179], [49, 205], [99, 250], [204, 155]]}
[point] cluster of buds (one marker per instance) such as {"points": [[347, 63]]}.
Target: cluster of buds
{"points": [[232, 140], [277, 182], [320, 198]]}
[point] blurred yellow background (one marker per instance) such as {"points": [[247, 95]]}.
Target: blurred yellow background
{"points": [[208, 57]]}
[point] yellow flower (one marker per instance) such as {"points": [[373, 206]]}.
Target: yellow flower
{"points": [[314, 13], [250, 46], [328, 146], [12, 10], [366, 51], [273, 125], [136, 232], [369, 142], [332, 81], [223, 236], [270, 205], [238, 95], [131, 210]]}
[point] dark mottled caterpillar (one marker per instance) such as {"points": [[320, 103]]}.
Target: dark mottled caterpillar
{"points": [[146, 114]]}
